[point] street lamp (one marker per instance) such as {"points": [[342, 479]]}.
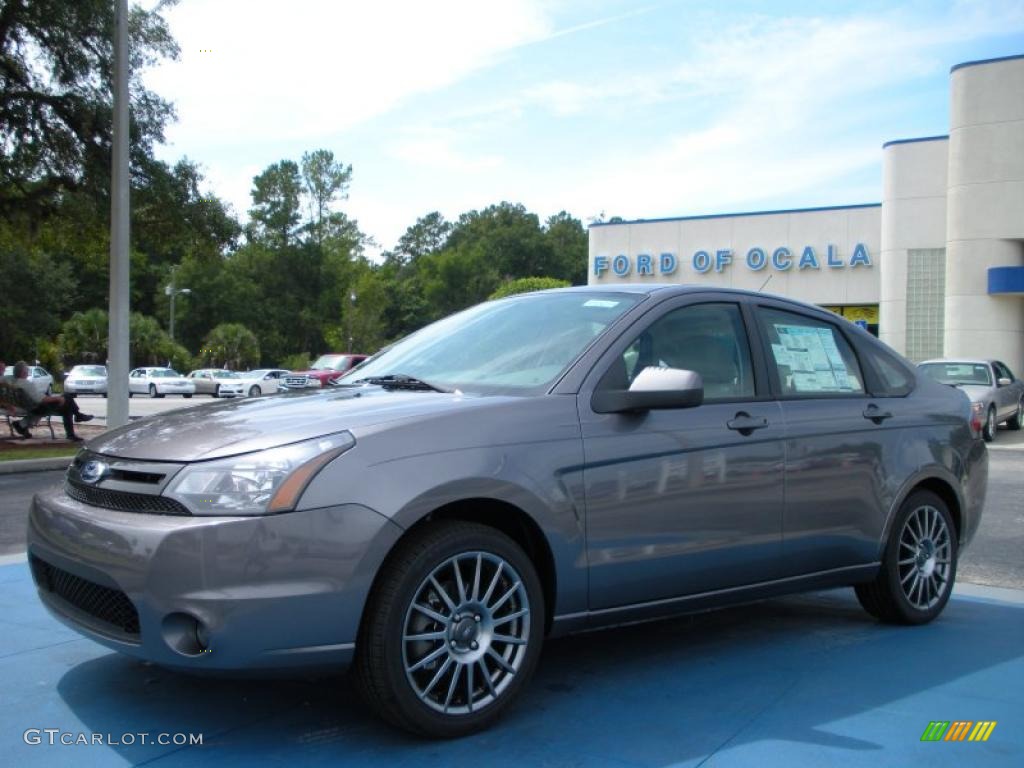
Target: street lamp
{"points": [[352, 299], [171, 291]]}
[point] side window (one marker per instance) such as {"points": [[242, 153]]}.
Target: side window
{"points": [[1004, 372], [707, 338], [895, 379], [810, 357]]}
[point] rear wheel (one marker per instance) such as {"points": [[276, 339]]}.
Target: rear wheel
{"points": [[919, 566], [452, 631], [152, 390], [186, 396], [989, 430], [1017, 420], [216, 391]]}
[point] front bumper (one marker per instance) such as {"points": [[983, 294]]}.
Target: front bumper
{"points": [[273, 592]]}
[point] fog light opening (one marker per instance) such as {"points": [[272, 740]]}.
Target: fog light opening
{"points": [[186, 634]]}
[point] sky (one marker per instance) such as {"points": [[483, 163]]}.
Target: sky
{"points": [[627, 109]]}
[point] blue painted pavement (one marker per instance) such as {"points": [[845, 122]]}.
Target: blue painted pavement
{"points": [[806, 680]]}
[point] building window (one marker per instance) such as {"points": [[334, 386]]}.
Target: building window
{"points": [[926, 302]]}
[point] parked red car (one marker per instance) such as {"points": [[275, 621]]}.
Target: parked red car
{"points": [[325, 370]]}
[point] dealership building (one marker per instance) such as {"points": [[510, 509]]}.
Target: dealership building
{"points": [[935, 270]]}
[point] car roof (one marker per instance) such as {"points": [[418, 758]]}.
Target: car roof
{"points": [[966, 360]]}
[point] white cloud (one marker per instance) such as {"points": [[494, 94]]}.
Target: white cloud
{"points": [[283, 71]]}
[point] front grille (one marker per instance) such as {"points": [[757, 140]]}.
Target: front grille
{"points": [[296, 381], [108, 606], [123, 501]]}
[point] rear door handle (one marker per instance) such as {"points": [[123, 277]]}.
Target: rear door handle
{"points": [[745, 424], [876, 414]]}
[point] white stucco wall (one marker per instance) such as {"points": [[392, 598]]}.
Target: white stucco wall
{"points": [[985, 209], [842, 228], [913, 216]]}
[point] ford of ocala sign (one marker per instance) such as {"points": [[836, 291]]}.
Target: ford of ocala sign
{"points": [[756, 259]]}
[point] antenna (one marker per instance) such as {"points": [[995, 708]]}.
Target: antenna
{"points": [[765, 283]]}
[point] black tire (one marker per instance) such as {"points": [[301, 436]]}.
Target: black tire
{"points": [[379, 669], [988, 431], [1017, 420], [255, 391], [152, 391], [186, 396], [49, 389], [886, 598], [129, 394], [216, 391]]}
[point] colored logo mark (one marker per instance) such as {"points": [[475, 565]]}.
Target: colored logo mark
{"points": [[958, 730]]}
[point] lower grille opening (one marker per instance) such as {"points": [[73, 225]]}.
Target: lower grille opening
{"points": [[122, 501], [110, 607]]}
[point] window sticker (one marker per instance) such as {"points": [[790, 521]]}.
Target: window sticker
{"points": [[813, 358], [600, 303]]}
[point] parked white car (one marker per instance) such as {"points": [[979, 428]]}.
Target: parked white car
{"points": [[87, 380], [38, 377], [157, 382], [217, 382], [262, 381]]}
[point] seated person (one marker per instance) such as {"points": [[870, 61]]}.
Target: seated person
{"points": [[37, 405]]}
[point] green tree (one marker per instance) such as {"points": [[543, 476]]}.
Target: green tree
{"points": [[37, 289], [147, 341], [232, 346], [567, 240], [527, 285], [84, 336], [324, 181], [274, 216], [55, 103]]}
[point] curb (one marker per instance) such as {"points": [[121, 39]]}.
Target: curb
{"points": [[34, 465]]}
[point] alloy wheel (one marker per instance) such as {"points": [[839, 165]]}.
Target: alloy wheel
{"points": [[466, 632], [924, 557]]}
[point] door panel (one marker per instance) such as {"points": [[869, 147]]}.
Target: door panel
{"points": [[689, 500], [677, 503]]}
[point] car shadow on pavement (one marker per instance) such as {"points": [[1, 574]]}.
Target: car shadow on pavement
{"points": [[812, 673]]}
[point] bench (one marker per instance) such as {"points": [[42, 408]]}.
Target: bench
{"points": [[14, 397]]}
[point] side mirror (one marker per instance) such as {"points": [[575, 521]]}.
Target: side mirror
{"points": [[653, 388], [1004, 382]]}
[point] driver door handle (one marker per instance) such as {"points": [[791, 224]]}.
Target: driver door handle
{"points": [[876, 414], [745, 424]]}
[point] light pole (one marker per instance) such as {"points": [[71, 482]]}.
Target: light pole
{"points": [[352, 309], [170, 290]]}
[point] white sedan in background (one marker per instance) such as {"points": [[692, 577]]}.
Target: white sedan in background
{"points": [[87, 380], [39, 378], [262, 381], [157, 382]]}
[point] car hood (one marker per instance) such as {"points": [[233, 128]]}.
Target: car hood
{"points": [[977, 393], [227, 429]]}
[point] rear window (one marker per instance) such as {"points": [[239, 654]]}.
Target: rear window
{"points": [[959, 373]]}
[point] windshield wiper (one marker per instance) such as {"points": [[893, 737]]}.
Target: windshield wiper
{"points": [[400, 381]]}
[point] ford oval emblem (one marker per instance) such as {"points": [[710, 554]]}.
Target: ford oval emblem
{"points": [[92, 472]]}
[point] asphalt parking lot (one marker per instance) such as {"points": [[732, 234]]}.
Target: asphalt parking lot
{"points": [[807, 680]]}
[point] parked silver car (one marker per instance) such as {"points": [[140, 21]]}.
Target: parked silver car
{"points": [[997, 396], [86, 380], [217, 382], [159, 382], [529, 467]]}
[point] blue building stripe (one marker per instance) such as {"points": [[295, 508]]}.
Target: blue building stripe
{"points": [[1002, 280]]}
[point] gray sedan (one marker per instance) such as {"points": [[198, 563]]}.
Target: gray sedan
{"points": [[530, 467], [997, 396]]}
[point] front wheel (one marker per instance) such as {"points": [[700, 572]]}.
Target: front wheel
{"points": [[919, 566], [989, 430], [452, 631], [186, 396], [254, 391]]}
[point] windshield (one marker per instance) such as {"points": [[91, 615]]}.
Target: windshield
{"points": [[88, 370], [959, 373], [225, 375], [514, 345], [329, 362]]}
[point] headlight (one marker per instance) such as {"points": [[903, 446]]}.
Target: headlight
{"points": [[256, 483]]}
